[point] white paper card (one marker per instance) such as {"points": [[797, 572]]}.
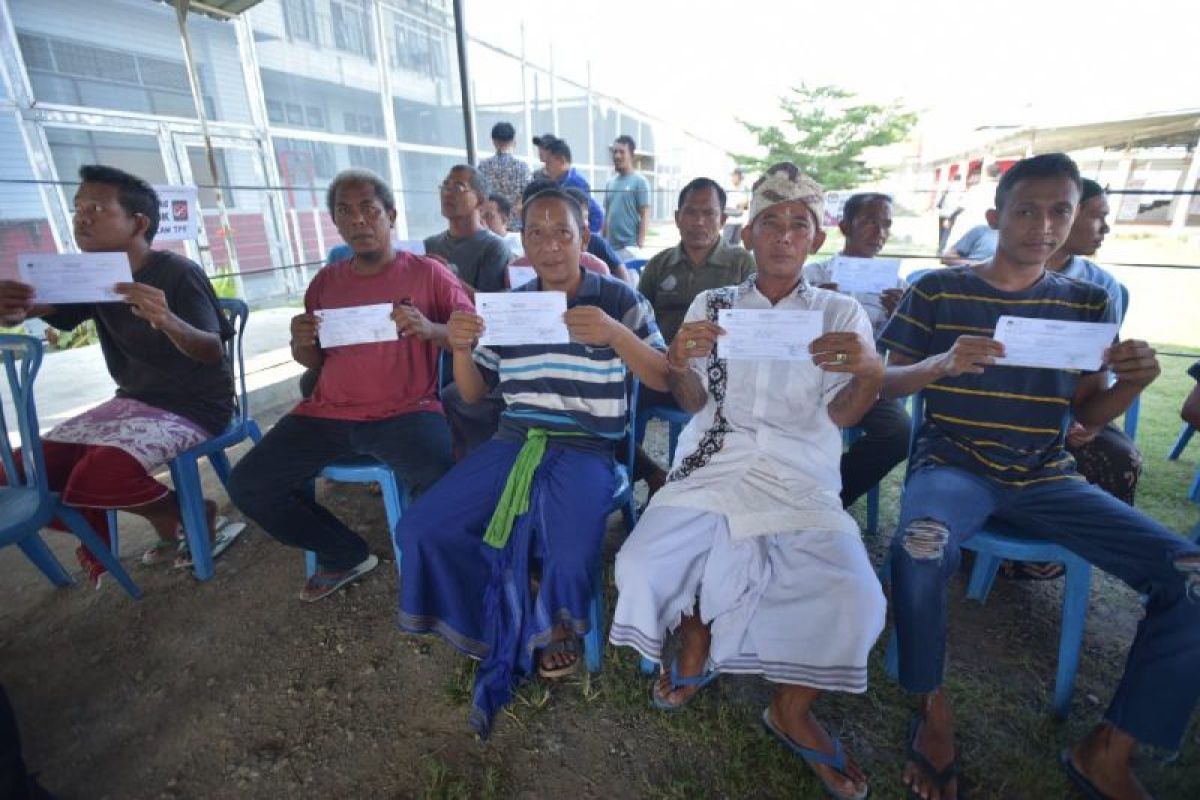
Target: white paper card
{"points": [[865, 275], [356, 325], [414, 246], [519, 276], [511, 318], [767, 334], [178, 212], [1054, 344], [75, 277]]}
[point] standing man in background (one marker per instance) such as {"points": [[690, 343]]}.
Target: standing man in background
{"points": [[626, 201], [506, 174]]}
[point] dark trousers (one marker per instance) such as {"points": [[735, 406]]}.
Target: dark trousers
{"points": [[1110, 461], [270, 483], [471, 424], [883, 445]]}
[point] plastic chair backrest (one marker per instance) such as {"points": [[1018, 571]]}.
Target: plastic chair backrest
{"points": [[22, 359], [636, 263], [1124, 302], [238, 312], [635, 388]]}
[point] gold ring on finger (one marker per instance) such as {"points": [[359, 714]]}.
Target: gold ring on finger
{"points": [[841, 358], [689, 344]]}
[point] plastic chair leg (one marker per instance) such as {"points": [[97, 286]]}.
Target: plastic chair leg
{"points": [[393, 504], [185, 472], [220, 465], [983, 575], [253, 429], [93, 542], [648, 667], [1185, 436], [39, 553], [310, 563], [114, 533], [593, 641], [1074, 616]]}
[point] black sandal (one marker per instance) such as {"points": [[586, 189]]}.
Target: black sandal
{"points": [[568, 646], [939, 779]]}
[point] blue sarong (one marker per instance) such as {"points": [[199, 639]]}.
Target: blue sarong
{"points": [[479, 597]]}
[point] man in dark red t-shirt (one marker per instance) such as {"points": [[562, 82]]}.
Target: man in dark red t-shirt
{"points": [[374, 398]]}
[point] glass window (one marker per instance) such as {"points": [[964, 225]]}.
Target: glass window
{"points": [[305, 67], [236, 170], [496, 85], [24, 227], [426, 103], [422, 173], [129, 58]]}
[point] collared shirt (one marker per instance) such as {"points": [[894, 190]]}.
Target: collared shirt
{"points": [[595, 212], [763, 451], [1007, 423], [574, 387], [822, 272], [508, 176], [670, 282], [1081, 269], [624, 198]]}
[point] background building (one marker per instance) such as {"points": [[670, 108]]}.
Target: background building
{"points": [[294, 91]]}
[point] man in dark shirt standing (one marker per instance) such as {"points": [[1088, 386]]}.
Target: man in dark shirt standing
{"points": [[163, 348]]}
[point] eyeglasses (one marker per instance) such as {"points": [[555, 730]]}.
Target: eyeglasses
{"points": [[369, 211], [453, 187]]}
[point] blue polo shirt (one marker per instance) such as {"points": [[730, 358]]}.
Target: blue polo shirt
{"points": [[595, 212]]}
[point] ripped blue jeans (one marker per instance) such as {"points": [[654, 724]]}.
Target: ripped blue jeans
{"points": [[943, 506]]}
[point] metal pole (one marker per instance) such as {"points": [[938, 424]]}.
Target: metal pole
{"points": [[181, 12], [464, 81]]}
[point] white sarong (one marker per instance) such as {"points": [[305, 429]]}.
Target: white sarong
{"points": [[800, 607]]}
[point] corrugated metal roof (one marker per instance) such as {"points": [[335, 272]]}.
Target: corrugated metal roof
{"points": [[218, 9]]}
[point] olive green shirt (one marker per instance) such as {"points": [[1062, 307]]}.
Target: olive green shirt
{"points": [[670, 282]]}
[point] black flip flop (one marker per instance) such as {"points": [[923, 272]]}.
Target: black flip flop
{"points": [[1078, 779], [938, 778]]}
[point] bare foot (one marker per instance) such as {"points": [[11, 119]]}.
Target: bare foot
{"points": [[935, 741], [804, 729], [693, 656], [1103, 758], [556, 657]]}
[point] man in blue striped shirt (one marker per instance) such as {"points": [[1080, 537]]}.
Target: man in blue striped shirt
{"points": [[992, 445], [542, 488]]}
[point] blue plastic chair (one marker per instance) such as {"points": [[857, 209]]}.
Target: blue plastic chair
{"points": [[1131, 413], [1194, 496], [26, 503], [675, 418], [635, 265], [185, 468], [624, 501], [998, 541], [366, 469], [1185, 436]]}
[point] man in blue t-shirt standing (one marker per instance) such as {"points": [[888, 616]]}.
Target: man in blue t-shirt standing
{"points": [[626, 200], [992, 444]]}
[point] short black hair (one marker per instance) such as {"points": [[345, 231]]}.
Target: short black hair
{"points": [[628, 141], [698, 184], [578, 195], [503, 132], [858, 201], [1047, 165], [135, 195], [383, 192], [558, 147], [554, 193], [535, 186], [502, 204]]}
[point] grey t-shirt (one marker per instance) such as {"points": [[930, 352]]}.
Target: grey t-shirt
{"points": [[479, 260]]}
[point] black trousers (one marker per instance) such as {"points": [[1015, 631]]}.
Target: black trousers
{"points": [[883, 445]]}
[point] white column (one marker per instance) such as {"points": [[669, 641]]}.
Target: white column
{"points": [[1184, 201]]}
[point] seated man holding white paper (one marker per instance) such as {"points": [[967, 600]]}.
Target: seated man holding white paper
{"points": [[561, 350], [867, 223], [161, 336], [992, 445], [747, 549], [372, 324]]}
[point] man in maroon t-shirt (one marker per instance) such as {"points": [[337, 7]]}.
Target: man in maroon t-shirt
{"points": [[373, 398]]}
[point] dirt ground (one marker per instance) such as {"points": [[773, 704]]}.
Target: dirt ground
{"points": [[234, 688]]}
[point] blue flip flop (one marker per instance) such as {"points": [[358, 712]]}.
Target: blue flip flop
{"points": [[836, 759], [678, 682]]}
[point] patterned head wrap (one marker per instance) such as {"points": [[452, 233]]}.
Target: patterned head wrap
{"points": [[782, 183]]}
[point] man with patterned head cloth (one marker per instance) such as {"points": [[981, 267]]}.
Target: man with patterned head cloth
{"points": [[747, 550]]}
